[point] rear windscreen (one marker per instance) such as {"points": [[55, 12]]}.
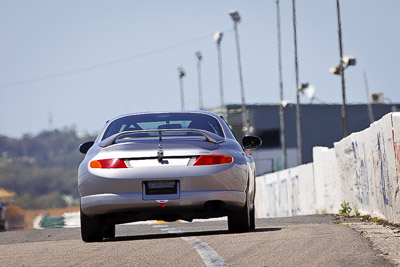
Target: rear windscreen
{"points": [[164, 121]]}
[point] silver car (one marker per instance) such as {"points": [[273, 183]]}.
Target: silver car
{"points": [[165, 166]]}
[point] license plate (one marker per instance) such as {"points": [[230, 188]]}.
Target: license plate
{"points": [[161, 184], [161, 188]]}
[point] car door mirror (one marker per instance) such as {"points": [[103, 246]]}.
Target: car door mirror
{"points": [[83, 148], [251, 141]]}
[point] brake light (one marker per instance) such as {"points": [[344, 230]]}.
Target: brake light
{"points": [[108, 164], [212, 160]]}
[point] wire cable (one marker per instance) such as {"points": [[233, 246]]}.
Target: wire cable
{"points": [[105, 64]]}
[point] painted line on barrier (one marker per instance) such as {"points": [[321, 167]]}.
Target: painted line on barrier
{"points": [[209, 256]]}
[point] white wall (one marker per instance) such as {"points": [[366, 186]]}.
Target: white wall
{"points": [[286, 193], [328, 191], [362, 169], [396, 147]]}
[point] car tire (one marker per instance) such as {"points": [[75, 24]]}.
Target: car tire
{"points": [[252, 219], [239, 221], [253, 210], [108, 230], [91, 228]]}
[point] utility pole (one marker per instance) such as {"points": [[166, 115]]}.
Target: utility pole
{"points": [[344, 108], [200, 58], [370, 112], [217, 40], [236, 19], [296, 66], [181, 75], [281, 107]]}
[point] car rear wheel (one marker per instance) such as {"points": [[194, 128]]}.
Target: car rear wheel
{"points": [[108, 230], [239, 221], [91, 228], [252, 219]]}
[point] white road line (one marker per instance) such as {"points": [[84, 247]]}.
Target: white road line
{"points": [[160, 226], [207, 253]]}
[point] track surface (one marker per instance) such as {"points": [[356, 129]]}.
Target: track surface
{"points": [[299, 241]]}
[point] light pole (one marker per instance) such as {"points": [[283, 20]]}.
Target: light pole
{"points": [[281, 107], [345, 62], [370, 112], [344, 108], [296, 66], [199, 59], [217, 39], [181, 75], [236, 19]]}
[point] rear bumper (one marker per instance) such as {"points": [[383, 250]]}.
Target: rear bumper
{"points": [[218, 178], [125, 202]]}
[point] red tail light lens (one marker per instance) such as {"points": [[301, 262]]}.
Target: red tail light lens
{"points": [[108, 164], [212, 160]]}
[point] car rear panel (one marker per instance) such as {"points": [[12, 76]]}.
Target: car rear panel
{"points": [[100, 181], [108, 190], [133, 202]]}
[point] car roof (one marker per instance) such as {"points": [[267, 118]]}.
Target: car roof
{"points": [[225, 128], [160, 112]]}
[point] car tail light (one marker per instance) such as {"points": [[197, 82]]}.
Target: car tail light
{"points": [[108, 164], [212, 160]]}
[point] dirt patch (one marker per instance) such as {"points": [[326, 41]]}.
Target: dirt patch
{"points": [[20, 219]]}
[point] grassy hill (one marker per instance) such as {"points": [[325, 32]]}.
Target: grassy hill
{"points": [[42, 169]]}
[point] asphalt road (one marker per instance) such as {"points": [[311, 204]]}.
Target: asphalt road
{"points": [[299, 241]]}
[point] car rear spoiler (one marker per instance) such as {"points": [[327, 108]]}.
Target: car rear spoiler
{"points": [[210, 137]]}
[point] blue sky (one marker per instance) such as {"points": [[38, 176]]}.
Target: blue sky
{"points": [[122, 56]]}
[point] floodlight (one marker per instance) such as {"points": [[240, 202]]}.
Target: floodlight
{"points": [[218, 37], [377, 98], [235, 15], [344, 64], [336, 70], [349, 60], [236, 18], [302, 87], [307, 89], [285, 103], [181, 72], [199, 55]]}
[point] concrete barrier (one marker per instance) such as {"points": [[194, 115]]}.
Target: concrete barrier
{"points": [[361, 169], [328, 191], [352, 170], [396, 147], [286, 193]]}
